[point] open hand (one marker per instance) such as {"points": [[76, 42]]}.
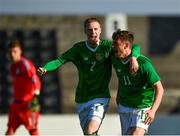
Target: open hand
{"points": [[150, 117]]}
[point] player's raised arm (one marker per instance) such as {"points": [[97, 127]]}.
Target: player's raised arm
{"points": [[134, 55], [50, 66]]}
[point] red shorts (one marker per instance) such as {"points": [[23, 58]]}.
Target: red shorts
{"points": [[19, 114]]}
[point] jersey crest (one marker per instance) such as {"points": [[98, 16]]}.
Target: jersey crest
{"points": [[99, 56], [85, 58], [119, 70], [17, 71]]}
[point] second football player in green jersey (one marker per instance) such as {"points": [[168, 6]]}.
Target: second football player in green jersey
{"points": [[135, 90], [139, 94]]}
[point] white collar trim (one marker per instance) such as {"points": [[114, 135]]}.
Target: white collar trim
{"points": [[90, 48], [125, 62]]}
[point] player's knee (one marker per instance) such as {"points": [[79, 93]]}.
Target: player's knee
{"points": [[93, 127], [91, 131]]}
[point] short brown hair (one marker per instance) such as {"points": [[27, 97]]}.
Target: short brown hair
{"points": [[15, 43], [91, 19], [123, 35]]}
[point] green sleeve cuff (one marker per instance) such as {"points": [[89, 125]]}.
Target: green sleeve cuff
{"points": [[52, 65]]}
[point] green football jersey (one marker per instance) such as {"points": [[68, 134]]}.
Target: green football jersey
{"points": [[94, 68], [135, 90]]}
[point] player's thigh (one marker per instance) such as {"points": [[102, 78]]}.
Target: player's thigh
{"points": [[125, 121], [92, 126], [138, 119], [95, 116], [14, 120], [30, 119], [95, 112]]}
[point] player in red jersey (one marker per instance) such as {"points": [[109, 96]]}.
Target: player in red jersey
{"points": [[26, 85]]}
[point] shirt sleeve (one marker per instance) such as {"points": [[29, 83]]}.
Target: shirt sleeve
{"points": [[31, 73], [136, 50], [37, 82], [52, 65], [152, 75], [29, 68], [69, 55]]}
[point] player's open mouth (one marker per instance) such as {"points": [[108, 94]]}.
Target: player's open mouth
{"points": [[93, 37]]}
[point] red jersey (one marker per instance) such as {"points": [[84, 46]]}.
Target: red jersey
{"points": [[25, 80]]}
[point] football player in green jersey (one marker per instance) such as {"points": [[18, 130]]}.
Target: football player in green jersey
{"points": [[139, 94], [92, 58]]}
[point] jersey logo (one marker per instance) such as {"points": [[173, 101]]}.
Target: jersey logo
{"points": [[118, 70], [17, 71], [85, 58], [99, 56]]}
